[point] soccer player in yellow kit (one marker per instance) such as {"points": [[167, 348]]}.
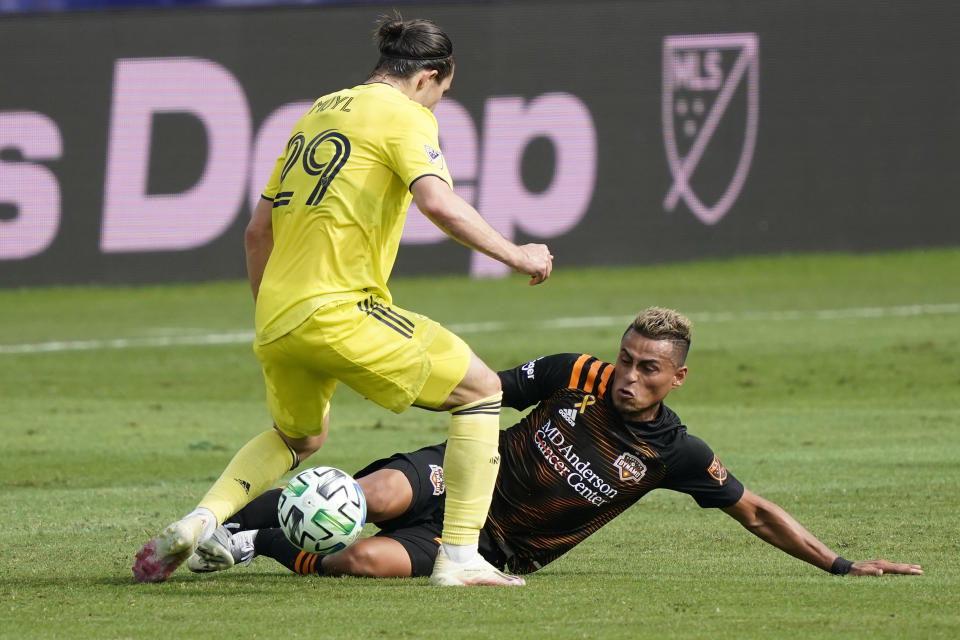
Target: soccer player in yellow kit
{"points": [[320, 248]]}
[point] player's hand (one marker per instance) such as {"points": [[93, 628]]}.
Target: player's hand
{"points": [[880, 566], [537, 262]]}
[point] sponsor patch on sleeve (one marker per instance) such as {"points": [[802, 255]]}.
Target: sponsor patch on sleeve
{"points": [[434, 156], [717, 471]]}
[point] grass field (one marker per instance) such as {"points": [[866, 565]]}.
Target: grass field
{"points": [[829, 384]]}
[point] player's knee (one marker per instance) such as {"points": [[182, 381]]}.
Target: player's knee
{"points": [[489, 383], [306, 446], [388, 494], [482, 383]]}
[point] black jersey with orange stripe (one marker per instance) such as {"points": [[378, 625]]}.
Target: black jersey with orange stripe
{"points": [[573, 464]]}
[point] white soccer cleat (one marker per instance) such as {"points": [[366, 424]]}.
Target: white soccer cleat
{"points": [[474, 573], [223, 550], [160, 557]]}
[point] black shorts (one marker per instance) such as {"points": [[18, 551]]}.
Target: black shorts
{"points": [[419, 528]]}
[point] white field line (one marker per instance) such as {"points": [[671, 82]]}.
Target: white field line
{"points": [[585, 322]]}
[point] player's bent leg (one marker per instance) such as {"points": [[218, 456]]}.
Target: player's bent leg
{"points": [[470, 467], [471, 460], [376, 557], [388, 494]]}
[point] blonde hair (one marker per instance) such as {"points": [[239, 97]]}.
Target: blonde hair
{"points": [[658, 323]]}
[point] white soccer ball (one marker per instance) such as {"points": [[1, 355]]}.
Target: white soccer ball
{"points": [[322, 510]]}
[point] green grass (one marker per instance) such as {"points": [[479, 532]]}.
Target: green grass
{"points": [[851, 423]]}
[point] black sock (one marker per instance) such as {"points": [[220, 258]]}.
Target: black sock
{"points": [[273, 544], [260, 513]]}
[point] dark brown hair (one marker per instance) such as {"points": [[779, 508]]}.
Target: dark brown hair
{"points": [[407, 46]]}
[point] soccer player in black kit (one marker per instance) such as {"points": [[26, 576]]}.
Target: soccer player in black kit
{"points": [[598, 440]]}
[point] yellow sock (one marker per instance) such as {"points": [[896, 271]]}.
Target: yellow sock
{"points": [[254, 469], [470, 467]]}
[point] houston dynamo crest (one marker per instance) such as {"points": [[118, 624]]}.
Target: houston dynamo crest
{"points": [[711, 101]]}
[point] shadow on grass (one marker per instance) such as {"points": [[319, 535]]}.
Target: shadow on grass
{"points": [[238, 582]]}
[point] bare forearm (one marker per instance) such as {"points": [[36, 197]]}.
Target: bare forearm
{"points": [[777, 527], [464, 224]]}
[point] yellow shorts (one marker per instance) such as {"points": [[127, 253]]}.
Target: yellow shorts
{"points": [[392, 356]]}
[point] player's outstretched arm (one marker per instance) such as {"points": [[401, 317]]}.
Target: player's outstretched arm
{"points": [[774, 525], [463, 223], [258, 242]]}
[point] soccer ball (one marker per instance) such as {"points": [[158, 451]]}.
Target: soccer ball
{"points": [[322, 510]]}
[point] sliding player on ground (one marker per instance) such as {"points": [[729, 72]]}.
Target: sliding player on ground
{"points": [[598, 440]]}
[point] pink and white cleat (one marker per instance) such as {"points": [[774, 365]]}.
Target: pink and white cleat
{"points": [[160, 557]]}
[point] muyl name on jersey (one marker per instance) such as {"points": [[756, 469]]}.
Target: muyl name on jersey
{"points": [[577, 473]]}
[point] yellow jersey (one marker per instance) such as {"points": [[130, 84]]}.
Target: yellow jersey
{"points": [[340, 193]]}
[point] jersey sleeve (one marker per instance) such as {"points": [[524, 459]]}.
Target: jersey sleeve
{"points": [[699, 473], [536, 380], [413, 148]]}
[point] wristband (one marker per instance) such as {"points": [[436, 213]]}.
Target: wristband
{"points": [[841, 566]]}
